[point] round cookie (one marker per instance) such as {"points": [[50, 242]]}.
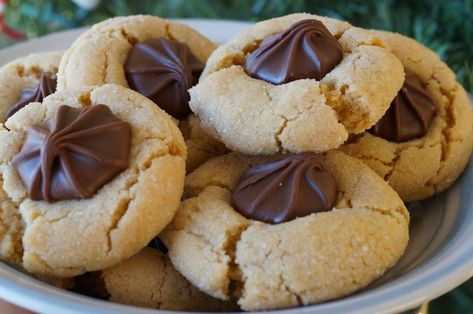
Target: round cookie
{"points": [[307, 260], [148, 279], [99, 57], [421, 167], [67, 237], [24, 73], [253, 116]]}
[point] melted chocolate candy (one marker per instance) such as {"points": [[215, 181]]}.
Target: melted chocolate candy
{"points": [[307, 50], [409, 115], [73, 154], [163, 70], [281, 191], [45, 87]]}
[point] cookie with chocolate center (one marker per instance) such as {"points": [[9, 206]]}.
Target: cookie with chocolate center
{"points": [[424, 141], [92, 175], [295, 83], [284, 231]]}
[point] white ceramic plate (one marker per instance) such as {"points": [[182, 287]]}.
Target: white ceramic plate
{"points": [[439, 256]]}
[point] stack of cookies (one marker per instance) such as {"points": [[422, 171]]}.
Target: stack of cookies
{"points": [[146, 166]]}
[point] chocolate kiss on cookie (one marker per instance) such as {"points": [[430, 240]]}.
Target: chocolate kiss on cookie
{"points": [[45, 87], [307, 50], [163, 70], [409, 115], [281, 191], [73, 154]]}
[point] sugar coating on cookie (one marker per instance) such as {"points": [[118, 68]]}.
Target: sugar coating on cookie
{"points": [[70, 237], [200, 146], [148, 279], [306, 260], [24, 73], [99, 56], [256, 117], [421, 167]]}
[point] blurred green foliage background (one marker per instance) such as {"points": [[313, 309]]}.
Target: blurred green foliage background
{"points": [[444, 26]]}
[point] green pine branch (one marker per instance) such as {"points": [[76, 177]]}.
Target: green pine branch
{"points": [[444, 26]]}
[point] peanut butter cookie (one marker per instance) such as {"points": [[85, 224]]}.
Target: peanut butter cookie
{"points": [[148, 279], [87, 178], [276, 233], [424, 141], [297, 83]]}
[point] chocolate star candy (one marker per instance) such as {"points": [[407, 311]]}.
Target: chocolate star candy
{"points": [[163, 70], [73, 154], [45, 87], [307, 50], [409, 115], [281, 191]]}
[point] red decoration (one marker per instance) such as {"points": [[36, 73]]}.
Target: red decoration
{"points": [[4, 28]]}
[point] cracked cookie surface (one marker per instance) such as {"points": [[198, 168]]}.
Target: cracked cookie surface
{"points": [[419, 168], [255, 117], [67, 238], [22, 73], [148, 279], [307, 260], [98, 56]]}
